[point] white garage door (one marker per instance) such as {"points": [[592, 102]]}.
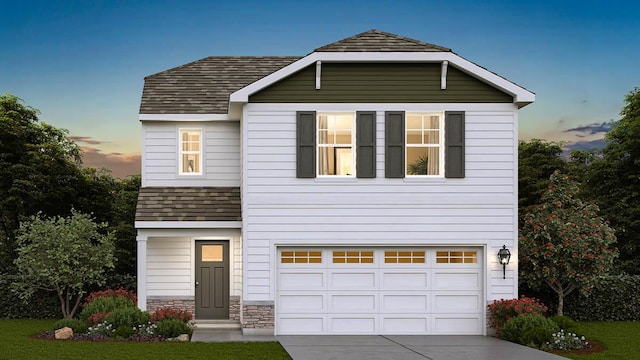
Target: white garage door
{"points": [[379, 291]]}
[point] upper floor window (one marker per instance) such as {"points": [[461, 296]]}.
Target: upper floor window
{"points": [[336, 138], [190, 152], [424, 138]]}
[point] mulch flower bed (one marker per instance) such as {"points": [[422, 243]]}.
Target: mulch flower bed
{"points": [[50, 335], [594, 346]]}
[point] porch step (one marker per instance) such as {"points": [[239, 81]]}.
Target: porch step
{"points": [[216, 324]]}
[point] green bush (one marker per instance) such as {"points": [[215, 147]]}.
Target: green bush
{"points": [[41, 305], [172, 328], [76, 325], [515, 329], [123, 332], [565, 323], [614, 298], [536, 337], [129, 317], [500, 311], [101, 303]]}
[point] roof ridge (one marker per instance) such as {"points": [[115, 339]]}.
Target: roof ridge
{"points": [[364, 42]]}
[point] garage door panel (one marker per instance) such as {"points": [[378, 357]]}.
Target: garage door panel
{"points": [[405, 303], [405, 324], [455, 324], [356, 280], [458, 279], [384, 295], [340, 324], [306, 325], [405, 280], [353, 303], [456, 303], [301, 280], [297, 303]]}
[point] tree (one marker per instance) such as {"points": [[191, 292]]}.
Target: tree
{"points": [[39, 171], [62, 254], [614, 182], [537, 160], [564, 244]]}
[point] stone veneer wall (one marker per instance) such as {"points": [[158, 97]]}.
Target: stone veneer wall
{"points": [[185, 303], [258, 316], [234, 308]]}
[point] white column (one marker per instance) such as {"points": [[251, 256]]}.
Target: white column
{"points": [[142, 272]]}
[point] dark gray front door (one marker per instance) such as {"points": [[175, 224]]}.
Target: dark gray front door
{"points": [[212, 279]]}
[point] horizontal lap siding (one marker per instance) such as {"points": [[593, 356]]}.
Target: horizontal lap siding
{"points": [[169, 267], [221, 161], [280, 207], [370, 83]]}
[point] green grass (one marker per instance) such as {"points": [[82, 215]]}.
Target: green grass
{"points": [[16, 343], [621, 339]]}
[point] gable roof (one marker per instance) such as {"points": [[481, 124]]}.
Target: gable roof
{"points": [[203, 86], [188, 204], [379, 41], [218, 85]]}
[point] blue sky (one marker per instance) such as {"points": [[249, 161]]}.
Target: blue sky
{"points": [[82, 63]]}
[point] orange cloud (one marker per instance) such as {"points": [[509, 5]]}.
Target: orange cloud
{"points": [[121, 165]]}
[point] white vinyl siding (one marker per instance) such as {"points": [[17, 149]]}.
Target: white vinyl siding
{"points": [[220, 155], [169, 267], [279, 209]]}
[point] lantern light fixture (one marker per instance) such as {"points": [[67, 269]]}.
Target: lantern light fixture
{"points": [[504, 255]]}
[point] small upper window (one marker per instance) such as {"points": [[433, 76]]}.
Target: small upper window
{"points": [[336, 155], [190, 152], [424, 138]]}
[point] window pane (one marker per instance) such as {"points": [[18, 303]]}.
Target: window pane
{"points": [[326, 161], [431, 137], [335, 144], [417, 161], [191, 163], [414, 136], [344, 161], [414, 122], [433, 123], [211, 252]]}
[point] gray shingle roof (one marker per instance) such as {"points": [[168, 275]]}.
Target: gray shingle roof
{"points": [[380, 41], [204, 86], [189, 204]]}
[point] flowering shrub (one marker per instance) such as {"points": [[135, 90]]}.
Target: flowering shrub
{"points": [[113, 294], [501, 311], [101, 329], [169, 314], [565, 341], [98, 305]]}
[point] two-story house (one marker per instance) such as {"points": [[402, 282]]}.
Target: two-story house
{"points": [[365, 188]]}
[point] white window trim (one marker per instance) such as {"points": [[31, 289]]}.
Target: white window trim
{"points": [[441, 144], [181, 152], [353, 145]]}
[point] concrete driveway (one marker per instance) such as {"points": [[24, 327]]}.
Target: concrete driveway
{"points": [[389, 347], [407, 348]]}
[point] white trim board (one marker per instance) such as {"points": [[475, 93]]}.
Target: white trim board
{"points": [[185, 117], [188, 224], [521, 95]]}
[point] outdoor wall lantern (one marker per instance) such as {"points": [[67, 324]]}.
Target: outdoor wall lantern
{"points": [[504, 255]]}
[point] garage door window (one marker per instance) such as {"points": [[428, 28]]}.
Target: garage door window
{"points": [[404, 257], [353, 257], [456, 257], [301, 257]]}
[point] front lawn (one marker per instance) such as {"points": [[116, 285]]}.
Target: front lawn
{"points": [[16, 343], [621, 339]]}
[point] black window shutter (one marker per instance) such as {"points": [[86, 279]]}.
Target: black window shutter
{"points": [[454, 144], [366, 144], [306, 144], [394, 144]]}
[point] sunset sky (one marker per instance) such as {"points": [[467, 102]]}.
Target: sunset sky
{"points": [[82, 63]]}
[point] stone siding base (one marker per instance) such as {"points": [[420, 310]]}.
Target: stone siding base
{"points": [[183, 303], [234, 308], [258, 317]]}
